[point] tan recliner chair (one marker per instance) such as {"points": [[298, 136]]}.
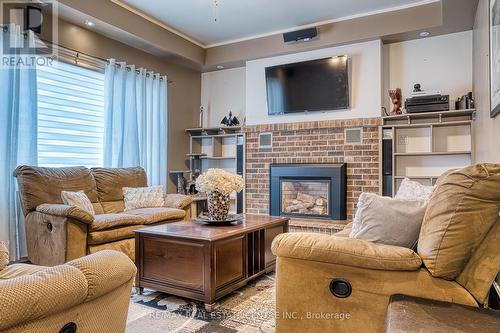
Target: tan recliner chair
{"points": [[338, 284], [57, 233], [87, 295]]}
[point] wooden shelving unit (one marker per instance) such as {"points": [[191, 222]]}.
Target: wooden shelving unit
{"points": [[424, 145], [219, 147]]}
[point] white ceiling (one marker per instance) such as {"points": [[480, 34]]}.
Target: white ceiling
{"points": [[245, 19]]}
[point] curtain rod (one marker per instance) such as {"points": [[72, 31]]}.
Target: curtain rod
{"points": [[76, 57]]}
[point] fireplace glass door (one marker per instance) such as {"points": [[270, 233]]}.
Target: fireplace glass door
{"points": [[305, 197]]}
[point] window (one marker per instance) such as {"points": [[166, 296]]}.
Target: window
{"points": [[70, 116]]}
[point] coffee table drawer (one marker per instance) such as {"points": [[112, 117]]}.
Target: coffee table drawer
{"points": [[230, 264], [175, 262]]}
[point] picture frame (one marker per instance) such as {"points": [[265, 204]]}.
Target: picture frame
{"points": [[494, 30]]}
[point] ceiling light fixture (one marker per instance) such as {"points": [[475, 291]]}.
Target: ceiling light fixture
{"points": [[89, 23], [216, 9], [424, 34], [220, 67]]}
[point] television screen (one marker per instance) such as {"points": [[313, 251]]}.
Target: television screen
{"points": [[317, 85]]}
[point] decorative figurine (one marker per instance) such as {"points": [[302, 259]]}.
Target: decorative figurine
{"points": [[229, 120], [396, 97]]}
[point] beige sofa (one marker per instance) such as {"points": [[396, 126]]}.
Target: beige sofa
{"points": [[91, 294], [57, 233], [457, 259]]}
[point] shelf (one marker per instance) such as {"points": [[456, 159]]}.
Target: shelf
{"points": [[212, 131], [216, 135], [196, 155], [174, 172], [448, 123], [218, 157], [434, 153], [451, 113]]}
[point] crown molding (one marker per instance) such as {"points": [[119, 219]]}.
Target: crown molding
{"points": [[158, 22], [267, 34]]}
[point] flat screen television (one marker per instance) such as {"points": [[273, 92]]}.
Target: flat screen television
{"points": [[317, 85]]}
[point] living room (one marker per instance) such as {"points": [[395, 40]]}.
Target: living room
{"points": [[233, 166]]}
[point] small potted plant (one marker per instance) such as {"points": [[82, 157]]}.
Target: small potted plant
{"points": [[218, 184]]}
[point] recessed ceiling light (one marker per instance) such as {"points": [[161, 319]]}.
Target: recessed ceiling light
{"points": [[220, 67], [89, 23], [425, 34]]}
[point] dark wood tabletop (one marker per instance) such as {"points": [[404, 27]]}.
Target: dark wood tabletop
{"points": [[195, 229]]}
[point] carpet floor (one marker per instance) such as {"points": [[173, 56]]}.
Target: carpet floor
{"points": [[249, 309]]}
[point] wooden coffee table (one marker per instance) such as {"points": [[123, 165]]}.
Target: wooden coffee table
{"points": [[202, 262]]}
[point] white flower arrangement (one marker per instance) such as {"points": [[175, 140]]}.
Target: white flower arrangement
{"points": [[218, 180]]}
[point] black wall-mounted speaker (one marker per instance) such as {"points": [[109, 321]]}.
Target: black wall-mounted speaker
{"points": [[387, 167], [240, 155], [300, 35]]}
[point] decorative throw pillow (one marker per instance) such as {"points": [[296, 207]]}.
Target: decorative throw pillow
{"points": [[4, 255], [388, 221], [78, 199], [143, 197], [412, 190]]}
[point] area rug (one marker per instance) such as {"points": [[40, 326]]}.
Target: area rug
{"points": [[249, 309]]}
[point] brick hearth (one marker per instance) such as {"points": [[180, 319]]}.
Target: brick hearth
{"points": [[312, 142]]}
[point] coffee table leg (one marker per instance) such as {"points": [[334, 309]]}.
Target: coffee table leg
{"points": [[139, 290], [209, 307]]}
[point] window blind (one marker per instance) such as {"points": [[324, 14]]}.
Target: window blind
{"points": [[70, 116]]}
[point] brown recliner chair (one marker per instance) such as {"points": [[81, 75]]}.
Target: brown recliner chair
{"points": [[87, 295], [338, 284], [57, 233]]}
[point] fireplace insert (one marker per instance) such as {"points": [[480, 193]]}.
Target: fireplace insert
{"points": [[308, 190]]}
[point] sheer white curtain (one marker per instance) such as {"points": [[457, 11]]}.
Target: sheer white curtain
{"points": [[136, 120], [18, 131]]}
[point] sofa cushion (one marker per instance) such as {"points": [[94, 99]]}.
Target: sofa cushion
{"points": [[44, 185], [112, 235], [143, 197], [78, 199], [158, 214], [110, 183], [108, 221], [388, 221], [345, 251], [179, 201], [412, 314], [462, 210], [4, 255], [412, 190]]}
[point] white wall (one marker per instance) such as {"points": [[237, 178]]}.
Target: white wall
{"points": [[366, 82], [221, 92], [487, 129], [437, 63], [443, 63]]}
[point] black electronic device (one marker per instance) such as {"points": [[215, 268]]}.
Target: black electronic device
{"points": [[427, 103], [303, 35]]}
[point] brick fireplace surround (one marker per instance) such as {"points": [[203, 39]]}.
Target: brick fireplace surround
{"points": [[312, 142]]}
